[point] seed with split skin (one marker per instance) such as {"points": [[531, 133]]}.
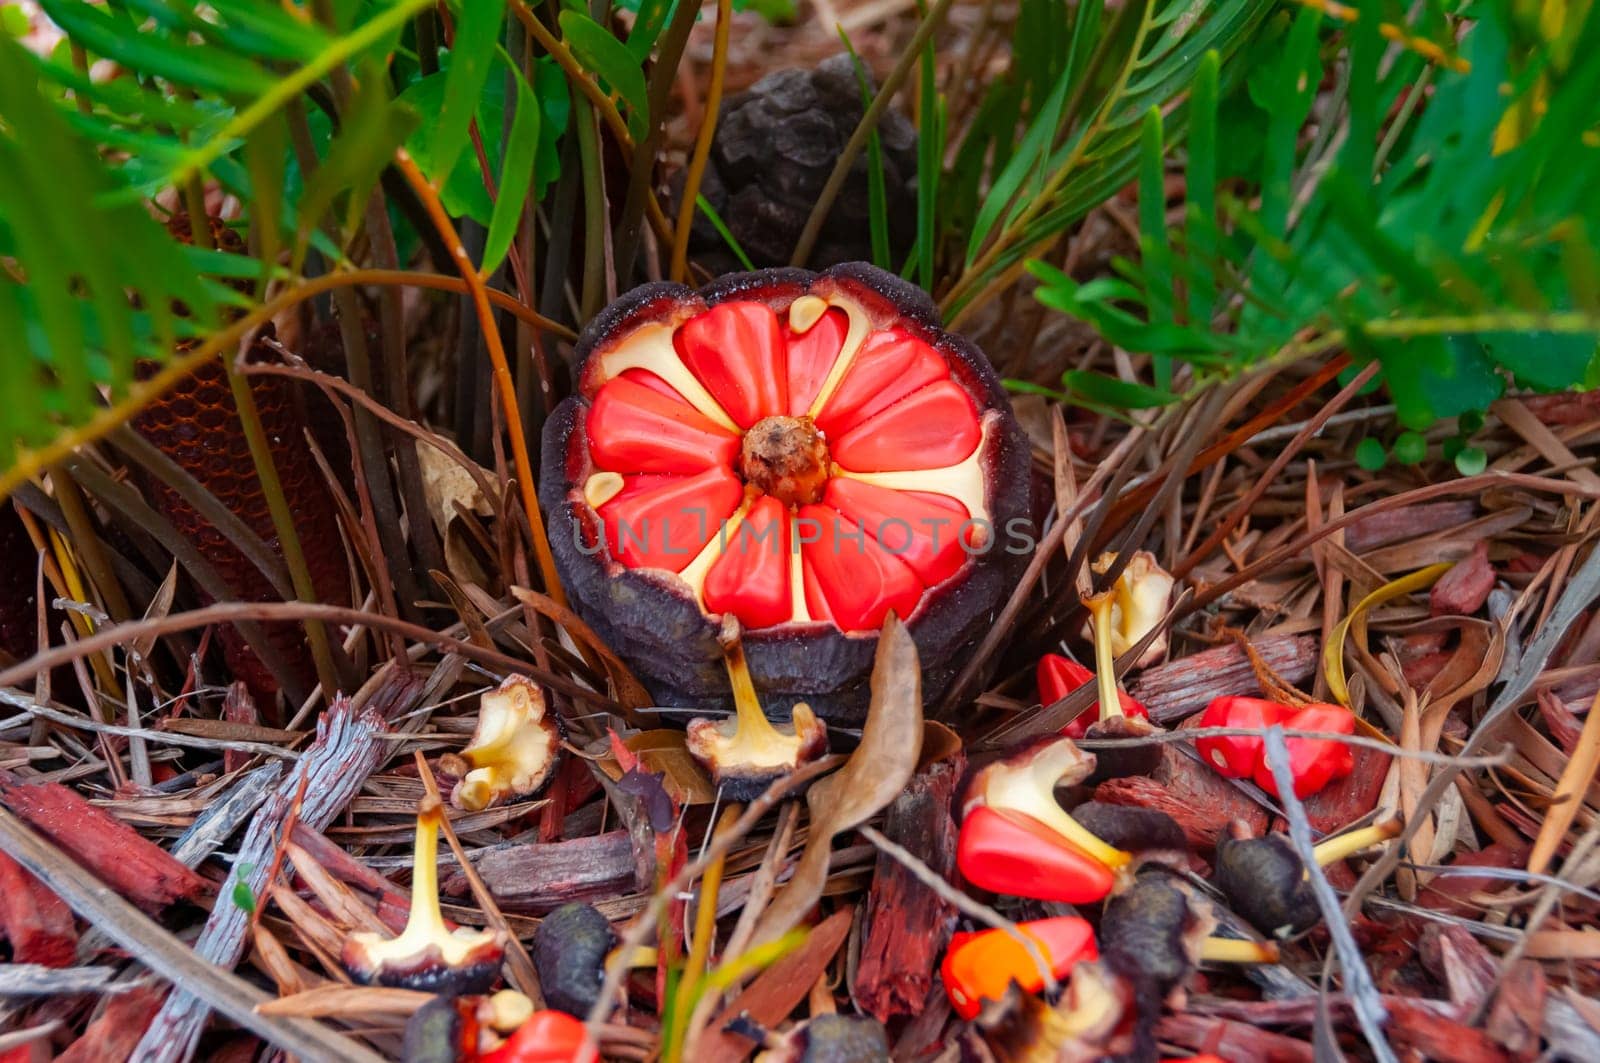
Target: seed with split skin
{"points": [[514, 749], [427, 955], [747, 752], [1025, 782], [1265, 881]]}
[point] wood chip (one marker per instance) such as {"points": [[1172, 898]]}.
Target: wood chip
{"points": [[118, 855]]}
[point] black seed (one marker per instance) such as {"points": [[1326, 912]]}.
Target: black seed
{"points": [[433, 1033], [569, 952], [1264, 881], [843, 1039], [1130, 827], [1142, 932]]}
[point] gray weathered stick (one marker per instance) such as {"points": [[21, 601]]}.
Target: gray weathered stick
{"points": [[218, 822], [164, 954], [348, 748], [34, 980], [1364, 999]]}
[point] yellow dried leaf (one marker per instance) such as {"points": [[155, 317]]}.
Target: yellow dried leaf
{"points": [[1333, 652]]}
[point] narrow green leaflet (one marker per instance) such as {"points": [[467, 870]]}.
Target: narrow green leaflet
{"points": [[930, 150], [1024, 163], [647, 27], [75, 329], [477, 31], [1441, 240], [373, 127], [464, 192], [723, 231], [877, 194], [1109, 391], [604, 55], [516, 175], [199, 66]]}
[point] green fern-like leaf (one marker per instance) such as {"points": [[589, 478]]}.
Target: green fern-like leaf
{"points": [[65, 307], [1447, 240]]}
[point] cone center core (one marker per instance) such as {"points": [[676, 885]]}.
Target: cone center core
{"points": [[786, 458]]}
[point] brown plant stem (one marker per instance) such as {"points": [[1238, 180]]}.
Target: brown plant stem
{"points": [[368, 442], [126, 501], [294, 557], [608, 110], [526, 482], [668, 55], [87, 542], [702, 143], [594, 211], [158, 466]]}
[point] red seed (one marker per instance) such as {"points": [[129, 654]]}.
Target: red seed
{"points": [[1237, 756]]}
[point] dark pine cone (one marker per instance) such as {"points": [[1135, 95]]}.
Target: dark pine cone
{"points": [[774, 148]]}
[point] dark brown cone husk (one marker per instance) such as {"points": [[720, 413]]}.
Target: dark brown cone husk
{"points": [[774, 148], [197, 425]]}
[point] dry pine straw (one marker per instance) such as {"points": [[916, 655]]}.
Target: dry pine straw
{"points": [[1299, 551]]}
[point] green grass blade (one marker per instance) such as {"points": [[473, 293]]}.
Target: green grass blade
{"points": [[477, 32], [1153, 242], [930, 156], [877, 194], [723, 231], [1200, 189], [516, 174]]}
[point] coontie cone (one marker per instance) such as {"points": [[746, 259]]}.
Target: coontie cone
{"points": [[805, 452]]}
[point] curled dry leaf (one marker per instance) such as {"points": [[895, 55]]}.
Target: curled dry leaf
{"points": [[1356, 622], [665, 752], [447, 484], [881, 766], [451, 490]]}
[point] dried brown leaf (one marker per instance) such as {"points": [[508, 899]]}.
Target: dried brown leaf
{"points": [[891, 743]]}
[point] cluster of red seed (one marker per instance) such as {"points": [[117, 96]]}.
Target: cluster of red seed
{"points": [[687, 475]]}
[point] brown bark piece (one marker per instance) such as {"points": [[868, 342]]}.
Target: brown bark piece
{"points": [[1185, 686], [1564, 409], [908, 925], [1517, 1017], [1202, 802], [1233, 1040], [1346, 800], [37, 923], [777, 991], [1406, 522], [1412, 1024], [1463, 590], [238, 707], [118, 855], [542, 877], [1451, 893]]}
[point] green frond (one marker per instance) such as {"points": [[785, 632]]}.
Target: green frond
{"points": [[1456, 255]]}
